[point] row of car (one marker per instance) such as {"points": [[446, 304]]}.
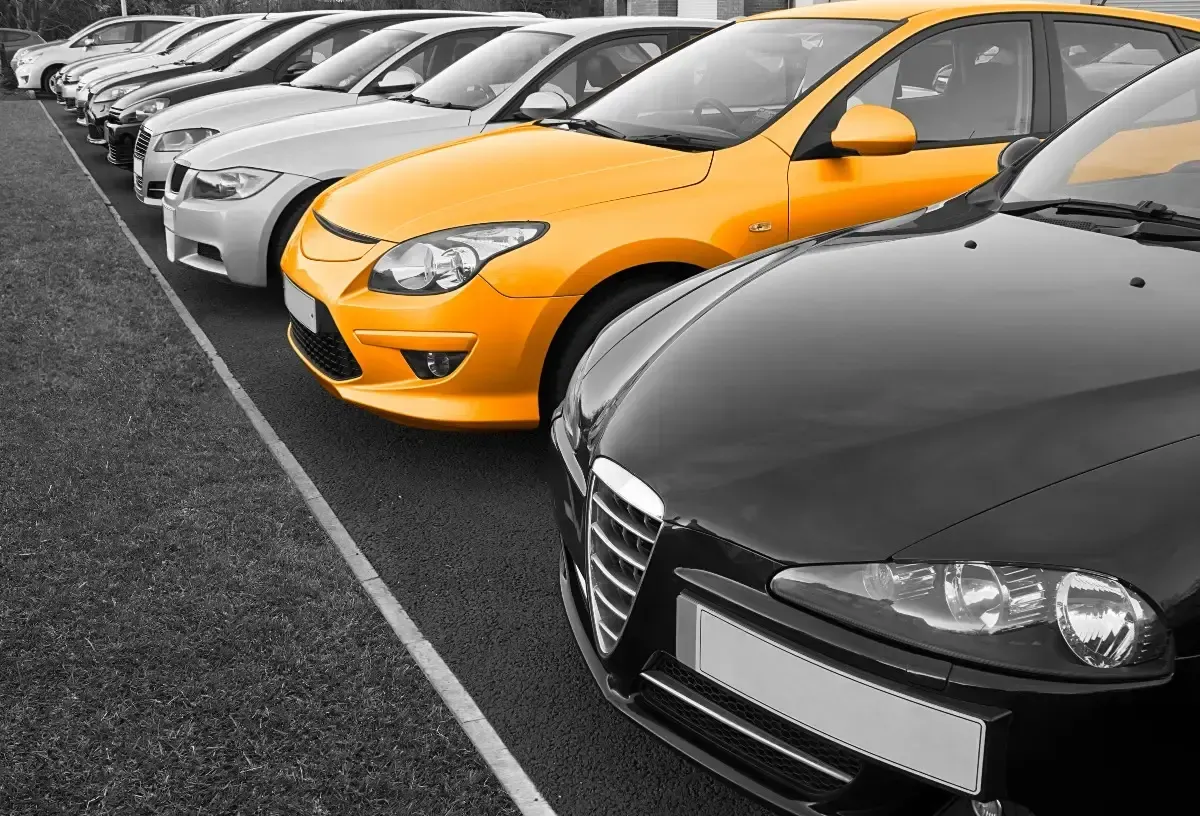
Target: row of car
{"points": [[893, 518]]}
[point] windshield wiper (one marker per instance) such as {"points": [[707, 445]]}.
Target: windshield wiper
{"points": [[1158, 232], [679, 140], [314, 87], [589, 125], [1143, 211], [424, 101]]}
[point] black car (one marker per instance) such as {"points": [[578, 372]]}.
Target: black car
{"points": [[280, 59], [904, 518]]}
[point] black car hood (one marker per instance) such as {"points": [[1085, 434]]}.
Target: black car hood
{"points": [[870, 392], [180, 87]]}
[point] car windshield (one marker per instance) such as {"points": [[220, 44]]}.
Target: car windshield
{"points": [[346, 68], [1141, 145], [486, 72], [206, 49], [152, 45], [263, 55], [725, 87]]}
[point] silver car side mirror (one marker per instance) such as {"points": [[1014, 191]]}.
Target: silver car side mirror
{"points": [[543, 104]]}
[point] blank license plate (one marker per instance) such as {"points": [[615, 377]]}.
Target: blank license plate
{"points": [[137, 166], [300, 304], [921, 737]]}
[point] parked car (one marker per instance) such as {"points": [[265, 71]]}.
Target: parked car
{"points": [[280, 59], [109, 84], [394, 59], [940, 541], [157, 50], [240, 234], [756, 133], [29, 50], [110, 37], [216, 55], [13, 40]]}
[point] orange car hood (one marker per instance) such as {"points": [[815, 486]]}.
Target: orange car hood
{"points": [[522, 174]]}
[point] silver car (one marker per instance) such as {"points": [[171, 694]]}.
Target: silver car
{"points": [[233, 201]]}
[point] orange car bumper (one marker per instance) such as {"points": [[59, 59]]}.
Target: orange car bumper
{"points": [[505, 340]]}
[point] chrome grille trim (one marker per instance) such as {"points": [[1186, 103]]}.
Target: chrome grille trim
{"points": [[755, 733], [625, 517], [142, 144]]}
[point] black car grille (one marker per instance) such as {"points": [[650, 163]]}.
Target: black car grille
{"points": [[327, 351], [756, 757], [155, 190], [94, 131], [141, 145], [139, 185], [59, 98], [212, 253], [120, 153], [178, 171]]}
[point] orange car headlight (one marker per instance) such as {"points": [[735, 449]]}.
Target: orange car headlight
{"points": [[443, 261]]}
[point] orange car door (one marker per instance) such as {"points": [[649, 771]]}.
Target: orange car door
{"points": [[969, 88]]}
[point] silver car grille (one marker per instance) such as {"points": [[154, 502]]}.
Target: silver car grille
{"points": [[142, 144], [625, 517]]}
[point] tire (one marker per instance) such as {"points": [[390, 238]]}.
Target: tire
{"points": [[46, 77], [284, 228], [579, 336]]}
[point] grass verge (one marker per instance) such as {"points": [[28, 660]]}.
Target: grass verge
{"points": [[176, 633]]}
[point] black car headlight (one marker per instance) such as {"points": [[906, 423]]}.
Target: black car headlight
{"points": [[1023, 618], [144, 110], [443, 261]]}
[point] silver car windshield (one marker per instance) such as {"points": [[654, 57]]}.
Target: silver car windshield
{"points": [[724, 87], [206, 49], [346, 68], [1140, 145], [486, 72]]}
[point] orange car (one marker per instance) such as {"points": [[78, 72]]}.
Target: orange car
{"points": [[458, 286]]}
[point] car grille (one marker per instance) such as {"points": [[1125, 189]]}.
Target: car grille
{"points": [[141, 145], [120, 153], [620, 539], [155, 190], [327, 351], [139, 185], [766, 746], [178, 171], [59, 98], [94, 131]]}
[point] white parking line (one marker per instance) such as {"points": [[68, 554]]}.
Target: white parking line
{"points": [[485, 739]]}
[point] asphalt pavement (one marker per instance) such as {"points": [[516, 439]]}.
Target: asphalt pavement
{"points": [[460, 528]]}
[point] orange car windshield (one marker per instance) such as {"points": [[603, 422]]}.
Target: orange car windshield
{"points": [[723, 88], [1141, 144]]}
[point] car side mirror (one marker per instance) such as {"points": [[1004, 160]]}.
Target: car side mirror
{"points": [[873, 130], [1017, 151], [87, 42], [399, 79], [295, 69], [543, 104]]}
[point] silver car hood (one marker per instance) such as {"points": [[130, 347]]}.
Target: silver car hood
{"points": [[247, 106], [331, 144]]}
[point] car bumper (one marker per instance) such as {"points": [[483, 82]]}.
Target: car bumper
{"points": [[94, 119], [234, 236], [150, 176], [120, 138], [356, 353], [1031, 729]]}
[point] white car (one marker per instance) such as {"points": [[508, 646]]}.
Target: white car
{"points": [[233, 201], [20, 54], [397, 58], [158, 50], [109, 37]]}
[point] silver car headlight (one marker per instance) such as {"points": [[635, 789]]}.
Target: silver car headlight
{"points": [[144, 110], [116, 92], [232, 184], [1046, 621], [173, 141], [443, 261]]}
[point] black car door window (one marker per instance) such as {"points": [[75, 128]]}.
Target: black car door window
{"points": [[1098, 58], [117, 34], [598, 67]]}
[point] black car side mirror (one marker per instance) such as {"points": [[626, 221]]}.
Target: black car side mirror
{"points": [[1017, 151]]}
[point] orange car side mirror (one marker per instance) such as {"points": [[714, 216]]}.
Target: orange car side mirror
{"points": [[872, 130]]}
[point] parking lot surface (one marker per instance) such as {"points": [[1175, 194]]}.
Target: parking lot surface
{"points": [[459, 526]]}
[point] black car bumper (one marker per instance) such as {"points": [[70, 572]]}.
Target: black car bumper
{"points": [[120, 138], [1033, 728]]}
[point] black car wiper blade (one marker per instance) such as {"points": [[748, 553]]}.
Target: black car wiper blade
{"points": [[589, 125], [1143, 211], [424, 101], [1159, 232], [680, 140]]}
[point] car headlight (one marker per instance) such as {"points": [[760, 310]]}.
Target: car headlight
{"points": [[1024, 618], [144, 110], [571, 409], [116, 92], [25, 59], [443, 261], [174, 141], [232, 184]]}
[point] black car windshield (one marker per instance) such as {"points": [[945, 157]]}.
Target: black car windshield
{"points": [[1140, 145], [346, 68], [265, 54], [213, 45], [725, 87], [486, 72]]}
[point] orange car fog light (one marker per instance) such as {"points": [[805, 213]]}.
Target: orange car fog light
{"points": [[433, 365]]}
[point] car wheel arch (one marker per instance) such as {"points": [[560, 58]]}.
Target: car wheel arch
{"points": [[288, 219]]}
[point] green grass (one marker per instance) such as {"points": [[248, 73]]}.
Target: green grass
{"points": [[177, 635]]}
